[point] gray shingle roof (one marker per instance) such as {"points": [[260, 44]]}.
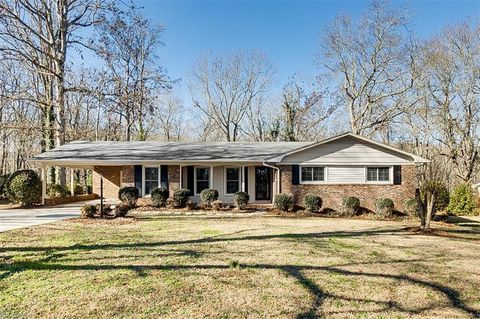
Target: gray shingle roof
{"points": [[82, 151]]}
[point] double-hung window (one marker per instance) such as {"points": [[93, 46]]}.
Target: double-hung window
{"points": [[378, 174], [202, 175], [312, 174], [152, 178], [232, 180]]}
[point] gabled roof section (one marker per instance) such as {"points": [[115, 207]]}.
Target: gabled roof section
{"points": [[414, 158]]}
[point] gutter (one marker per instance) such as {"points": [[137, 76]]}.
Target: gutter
{"points": [[278, 179]]}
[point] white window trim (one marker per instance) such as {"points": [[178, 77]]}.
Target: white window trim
{"points": [[210, 174], [390, 175], [143, 178], [225, 179], [325, 174]]}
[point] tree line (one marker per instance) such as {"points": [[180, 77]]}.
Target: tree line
{"points": [[375, 77]]}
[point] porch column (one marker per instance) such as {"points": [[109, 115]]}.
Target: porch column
{"points": [[242, 174], [211, 177], [181, 177], [72, 179], [44, 184]]}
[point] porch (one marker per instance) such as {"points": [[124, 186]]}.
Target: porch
{"points": [[258, 180]]}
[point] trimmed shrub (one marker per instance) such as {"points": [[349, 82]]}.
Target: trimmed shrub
{"points": [[191, 205], [441, 194], [88, 211], [313, 203], [128, 195], [240, 199], [217, 205], [411, 207], [283, 201], [208, 196], [107, 208], [25, 187], [350, 205], [384, 207], [463, 201], [180, 197], [159, 197], [56, 190], [122, 210]]}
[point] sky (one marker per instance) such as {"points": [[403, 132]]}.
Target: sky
{"points": [[286, 31]]}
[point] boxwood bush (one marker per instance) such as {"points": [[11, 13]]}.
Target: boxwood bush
{"points": [[3, 181], [463, 201], [88, 211], [128, 195], [350, 205], [208, 196], [180, 197], [122, 210], [313, 203], [25, 187], [384, 207], [240, 199], [159, 197], [283, 201]]}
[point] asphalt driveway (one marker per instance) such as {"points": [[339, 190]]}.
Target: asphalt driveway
{"points": [[21, 218]]}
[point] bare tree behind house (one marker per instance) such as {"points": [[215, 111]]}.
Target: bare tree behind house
{"points": [[225, 87], [127, 44], [372, 63]]}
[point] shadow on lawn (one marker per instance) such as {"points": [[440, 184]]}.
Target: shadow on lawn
{"points": [[295, 271]]}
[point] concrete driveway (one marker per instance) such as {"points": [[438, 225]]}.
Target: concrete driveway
{"points": [[22, 218]]}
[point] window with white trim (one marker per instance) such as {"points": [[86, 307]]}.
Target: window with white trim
{"points": [[312, 174], [152, 179], [202, 178], [378, 174], [232, 180]]}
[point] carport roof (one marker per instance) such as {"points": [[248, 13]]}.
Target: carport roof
{"points": [[137, 152]]}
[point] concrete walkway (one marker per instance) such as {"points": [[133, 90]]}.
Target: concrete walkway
{"points": [[22, 218]]}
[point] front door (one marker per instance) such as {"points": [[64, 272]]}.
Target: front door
{"points": [[262, 183]]}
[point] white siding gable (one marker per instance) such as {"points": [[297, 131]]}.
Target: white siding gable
{"points": [[349, 151]]}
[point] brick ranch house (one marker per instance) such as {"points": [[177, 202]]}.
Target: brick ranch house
{"points": [[344, 165]]}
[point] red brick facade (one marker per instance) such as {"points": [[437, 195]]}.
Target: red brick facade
{"points": [[332, 194], [115, 177]]}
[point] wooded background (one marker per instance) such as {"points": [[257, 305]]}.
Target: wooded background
{"points": [[375, 78]]}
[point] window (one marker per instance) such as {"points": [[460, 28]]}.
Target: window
{"points": [[232, 176], [378, 174], [151, 179], [202, 175], [313, 174]]}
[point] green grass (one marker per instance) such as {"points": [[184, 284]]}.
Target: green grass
{"points": [[198, 267]]}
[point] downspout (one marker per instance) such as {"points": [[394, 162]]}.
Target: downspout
{"points": [[278, 179]]}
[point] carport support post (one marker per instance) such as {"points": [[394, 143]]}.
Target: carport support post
{"points": [[72, 180], [101, 195], [44, 184]]}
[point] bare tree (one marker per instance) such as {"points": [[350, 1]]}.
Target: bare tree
{"points": [[225, 87], [169, 117], [38, 34], [128, 44], [373, 64], [452, 66]]}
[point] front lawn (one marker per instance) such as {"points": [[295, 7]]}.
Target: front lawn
{"points": [[239, 267]]}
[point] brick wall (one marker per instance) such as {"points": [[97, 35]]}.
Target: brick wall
{"points": [[173, 178], [128, 176], [121, 176], [332, 194], [111, 181]]}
